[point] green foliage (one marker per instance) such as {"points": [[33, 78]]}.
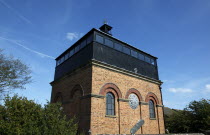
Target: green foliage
{"points": [[13, 73], [20, 116], [195, 118]]}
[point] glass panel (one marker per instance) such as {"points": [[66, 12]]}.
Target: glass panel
{"points": [[147, 59], [112, 106], [99, 39], [126, 50], [58, 62], [109, 106], [112, 100], [109, 99], [140, 56], [112, 112], [62, 59], [90, 39], [151, 109], [83, 44], [71, 53], [108, 43], [152, 61], [66, 56], [150, 115], [118, 47], [109, 112], [134, 53], [77, 48]]}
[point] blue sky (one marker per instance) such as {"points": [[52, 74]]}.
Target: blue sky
{"points": [[176, 31]]}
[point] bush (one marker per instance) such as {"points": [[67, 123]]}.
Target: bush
{"points": [[21, 116]]}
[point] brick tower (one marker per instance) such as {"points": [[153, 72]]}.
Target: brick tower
{"points": [[109, 85]]}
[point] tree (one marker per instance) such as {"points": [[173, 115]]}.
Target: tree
{"points": [[195, 118], [22, 117], [176, 122], [13, 73], [199, 115]]}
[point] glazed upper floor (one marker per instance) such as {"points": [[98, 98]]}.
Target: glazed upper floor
{"points": [[102, 47]]}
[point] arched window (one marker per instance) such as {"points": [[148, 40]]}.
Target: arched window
{"points": [[151, 109], [110, 105]]}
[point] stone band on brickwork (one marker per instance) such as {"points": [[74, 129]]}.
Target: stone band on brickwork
{"points": [[143, 103], [159, 105], [92, 95], [123, 100], [66, 102]]}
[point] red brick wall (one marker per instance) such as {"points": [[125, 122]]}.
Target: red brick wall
{"points": [[77, 87]]}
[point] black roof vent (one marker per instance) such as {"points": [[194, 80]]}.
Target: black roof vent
{"points": [[106, 28]]}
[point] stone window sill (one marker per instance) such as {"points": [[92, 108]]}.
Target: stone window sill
{"points": [[110, 116], [152, 118]]}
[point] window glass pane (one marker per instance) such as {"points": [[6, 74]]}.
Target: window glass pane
{"points": [[71, 53], [109, 112], [151, 109], [152, 61], [112, 106], [90, 39], [147, 59], [62, 59], [134, 53], [83, 44], [109, 100], [99, 39], [66, 56], [118, 47], [58, 62], [126, 50], [140, 56], [113, 112], [109, 106], [77, 48], [108, 43]]}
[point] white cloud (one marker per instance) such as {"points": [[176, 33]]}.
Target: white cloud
{"points": [[72, 36], [38, 53], [207, 88], [180, 90]]}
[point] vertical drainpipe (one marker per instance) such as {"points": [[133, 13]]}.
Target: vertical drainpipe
{"points": [[119, 114], [162, 107], [141, 117]]}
